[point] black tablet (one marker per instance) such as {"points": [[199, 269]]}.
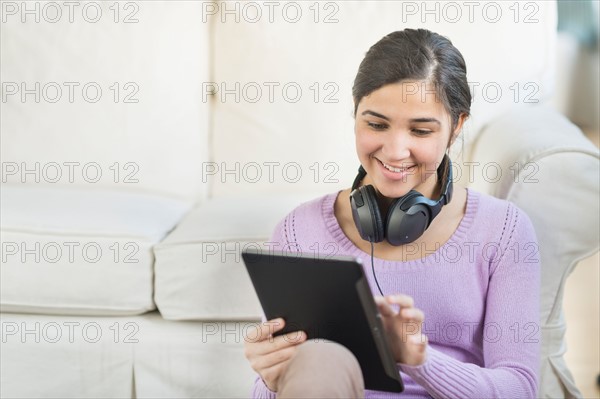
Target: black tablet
{"points": [[328, 299]]}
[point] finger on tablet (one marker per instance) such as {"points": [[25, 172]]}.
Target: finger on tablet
{"points": [[267, 328], [404, 301], [281, 342], [295, 337], [384, 307], [413, 314]]}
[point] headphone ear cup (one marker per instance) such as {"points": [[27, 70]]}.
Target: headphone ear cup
{"points": [[408, 218], [366, 214]]}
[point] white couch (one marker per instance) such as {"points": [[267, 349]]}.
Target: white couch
{"points": [[144, 144]]}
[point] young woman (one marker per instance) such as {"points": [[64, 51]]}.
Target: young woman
{"points": [[459, 299]]}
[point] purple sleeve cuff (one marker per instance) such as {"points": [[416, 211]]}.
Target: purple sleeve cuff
{"points": [[442, 375], [261, 391]]}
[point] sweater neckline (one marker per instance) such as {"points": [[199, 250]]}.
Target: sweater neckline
{"points": [[334, 228]]}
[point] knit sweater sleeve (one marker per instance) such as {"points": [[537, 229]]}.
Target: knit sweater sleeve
{"points": [[278, 241], [511, 331], [260, 390]]}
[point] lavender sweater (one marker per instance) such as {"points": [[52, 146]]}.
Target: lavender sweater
{"points": [[479, 292]]}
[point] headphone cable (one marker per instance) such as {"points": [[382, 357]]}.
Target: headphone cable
{"points": [[373, 269]]}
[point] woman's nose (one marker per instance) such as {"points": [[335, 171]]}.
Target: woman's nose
{"points": [[397, 146]]}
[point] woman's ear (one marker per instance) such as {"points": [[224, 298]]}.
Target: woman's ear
{"points": [[459, 125]]}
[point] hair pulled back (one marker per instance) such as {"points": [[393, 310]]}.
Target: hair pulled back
{"points": [[416, 55]]}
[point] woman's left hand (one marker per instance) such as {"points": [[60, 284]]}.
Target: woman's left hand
{"points": [[403, 328]]}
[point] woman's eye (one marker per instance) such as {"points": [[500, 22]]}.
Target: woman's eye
{"points": [[376, 126], [421, 132]]}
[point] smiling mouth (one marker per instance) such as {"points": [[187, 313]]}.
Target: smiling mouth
{"points": [[394, 169]]}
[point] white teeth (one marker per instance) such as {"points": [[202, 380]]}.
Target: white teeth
{"points": [[396, 170]]}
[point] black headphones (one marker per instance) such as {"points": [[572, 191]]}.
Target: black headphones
{"points": [[408, 216]]}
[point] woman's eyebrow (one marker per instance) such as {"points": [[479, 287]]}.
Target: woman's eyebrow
{"points": [[414, 120], [369, 112], [425, 120]]}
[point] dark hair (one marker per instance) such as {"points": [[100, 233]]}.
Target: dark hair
{"points": [[418, 54]]}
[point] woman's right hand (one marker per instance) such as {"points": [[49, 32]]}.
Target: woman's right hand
{"points": [[403, 328], [268, 355]]}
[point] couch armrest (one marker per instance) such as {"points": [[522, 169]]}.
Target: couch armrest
{"points": [[551, 171]]}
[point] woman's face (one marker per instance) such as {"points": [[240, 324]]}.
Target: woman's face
{"points": [[402, 132]]}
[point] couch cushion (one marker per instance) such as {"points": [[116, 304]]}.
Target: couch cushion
{"points": [[146, 127], [199, 273], [291, 105], [192, 359], [141, 356], [67, 356], [76, 251]]}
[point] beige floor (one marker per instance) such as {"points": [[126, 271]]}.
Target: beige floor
{"points": [[582, 311]]}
